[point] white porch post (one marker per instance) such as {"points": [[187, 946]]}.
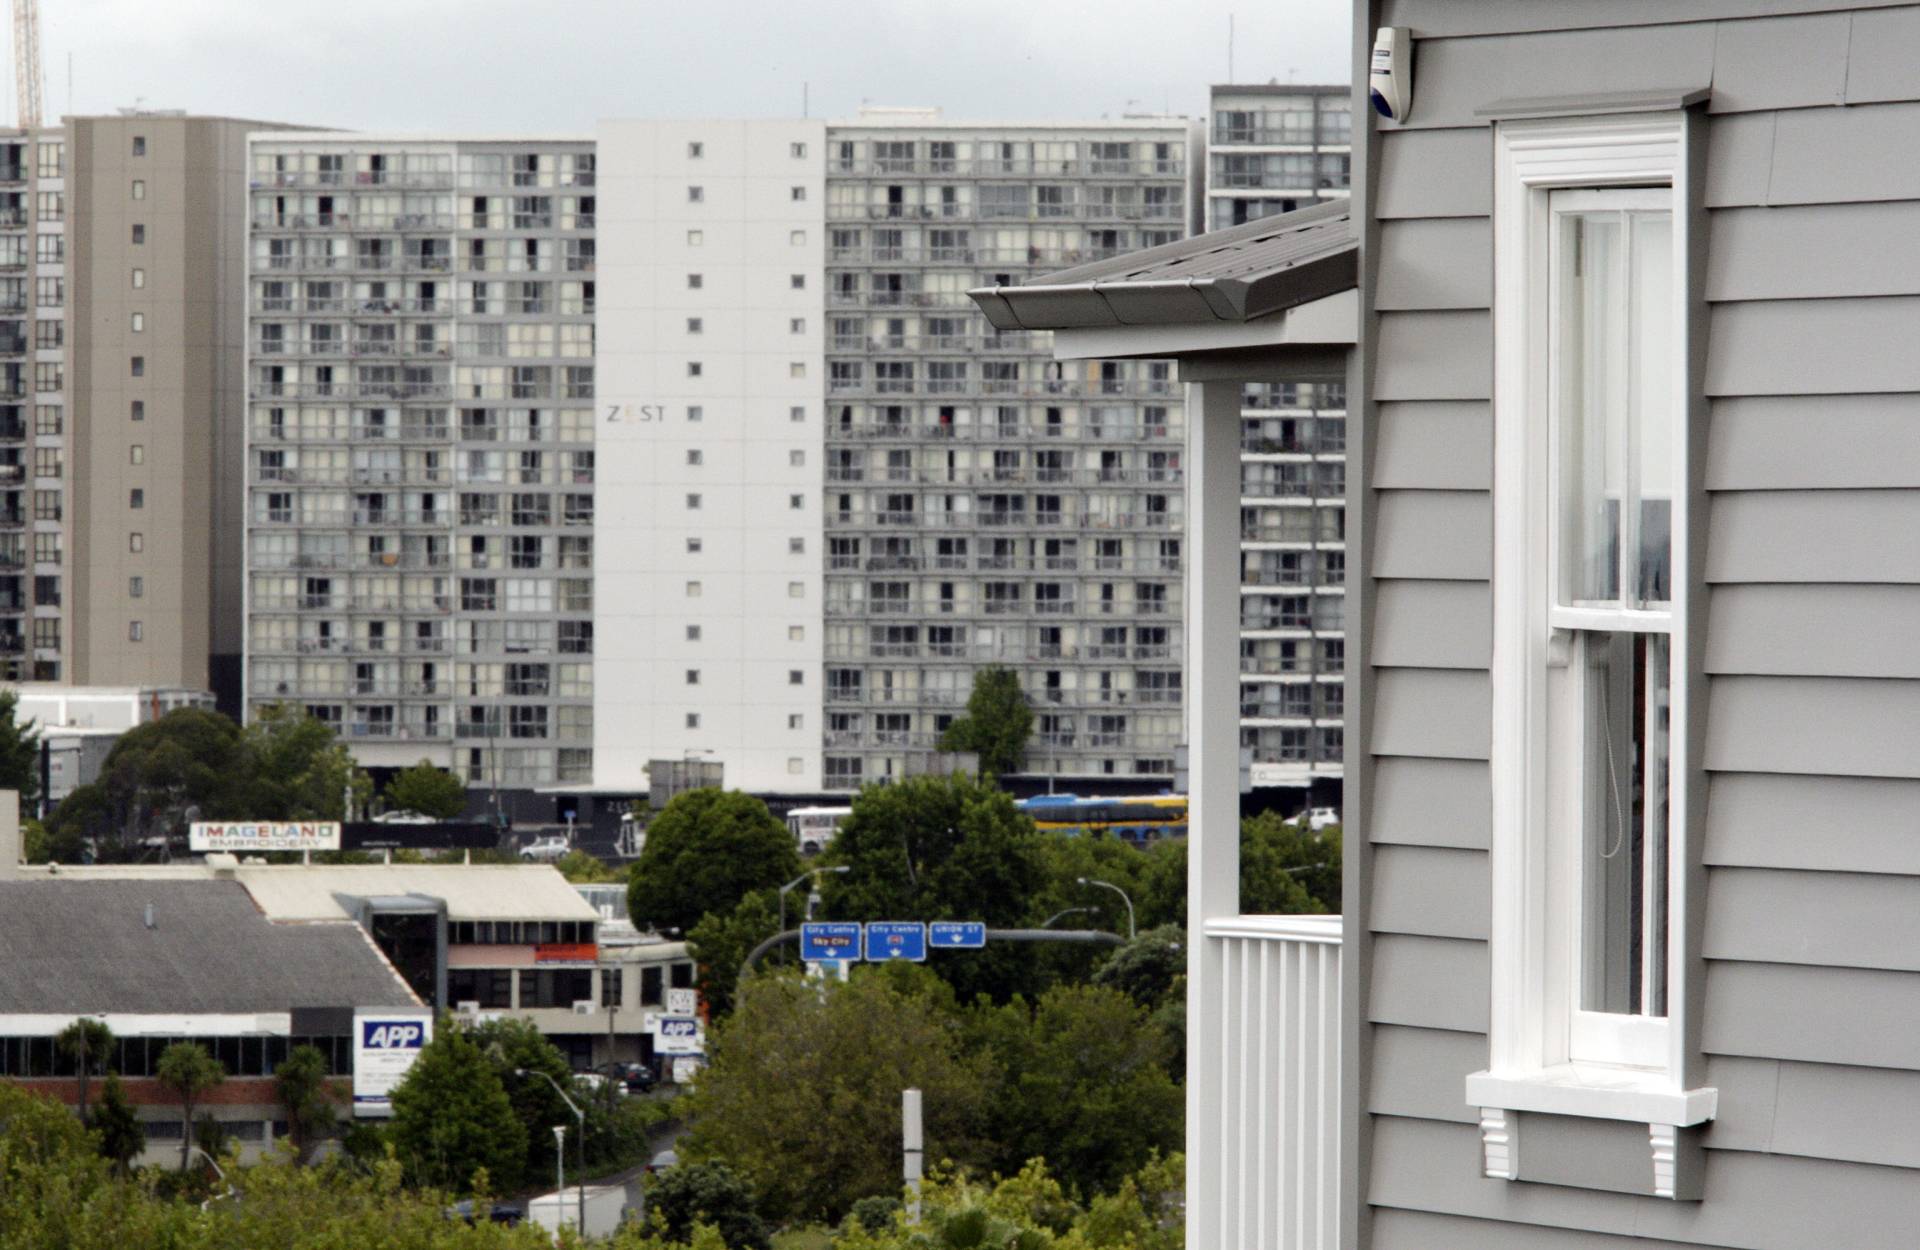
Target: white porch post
{"points": [[1213, 769]]}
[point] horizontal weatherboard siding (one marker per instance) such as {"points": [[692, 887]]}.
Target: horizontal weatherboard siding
{"points": [[1429, 983], [1433, 624], [1864, 441], [1436, 19], [1818, 251], [1434, 534], [1813, 536], [1435, 355], [1436, 173], [1787, 629], [1430, 890], [1428, 802], [1434, 446], [1423, 1072], [1809, 347], [1437, 262], [1822, 1015], [1865, 824], [1836, 726], [1829, 919], [1440, 713]]}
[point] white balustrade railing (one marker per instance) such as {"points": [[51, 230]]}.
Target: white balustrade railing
{"points": [[1270, 1163]]}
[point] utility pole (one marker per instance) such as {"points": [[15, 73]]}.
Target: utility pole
{"points": [[29, 84], [913, 1150]]}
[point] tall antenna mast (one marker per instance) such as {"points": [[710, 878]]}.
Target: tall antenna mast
{"points": [[27, 78]]}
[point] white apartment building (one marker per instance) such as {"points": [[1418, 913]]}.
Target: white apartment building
{"points": [[708, 608], [420, 459]]}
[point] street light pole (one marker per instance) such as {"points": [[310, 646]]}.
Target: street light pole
{"points": [[808, 874], [560, 1174], [1067, 911], [1117, 890], [559, 1135]]}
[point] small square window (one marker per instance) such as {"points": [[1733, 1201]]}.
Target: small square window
{"points": [[139, 233], [137, 454], [797, 369], [693, 720], [796, 546], [797, 194], [694, 545], [136, 542], [798, 238], [134, 631], [694, 368], [694, 455], [136, 587], [796, 633], [136, 498], [796, 765], [138, 411], [693, 633], [693, 677], [693, 282], [696, 150], [796, 502], [796, 677], [796, 325], [695, 238], [798, 151], [796, 414], [797, 458], [695, 412], [693, 590], [797, 720], [139, 279], [798, 281], [693, 501], [139, 189], [139, 145], [139, 322], [696, 195], [695, 325], [796, 590], [139, 366]]}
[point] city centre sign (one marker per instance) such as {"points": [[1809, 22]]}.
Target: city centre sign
{"points": [[216, 836]]}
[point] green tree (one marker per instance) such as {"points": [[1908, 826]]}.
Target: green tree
{"points": [[189, 758], [89, 1044], [302, 1083], [802, 1093], [712, 1194], [706, 850], [118, 1125], [427, 791], [1147, 969], [584, 869], [300, 770], [943, 848], [49, 1172], [452, 1117], [19, 754], [1287, 869], [1084, 1083], [721, 942], [189, 1071], [514, 1046], [996, 724]]}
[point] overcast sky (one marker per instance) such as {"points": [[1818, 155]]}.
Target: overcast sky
{"points": [[546, 66]]}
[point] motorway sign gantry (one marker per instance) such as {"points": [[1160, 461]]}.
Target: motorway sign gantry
{"points": [[820, 942], [895, 939], [962, 935]]}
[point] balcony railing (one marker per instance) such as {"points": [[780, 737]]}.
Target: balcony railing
{"points": [[1263, 1165]]}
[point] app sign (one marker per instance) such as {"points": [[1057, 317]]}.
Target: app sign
{"points": [[385, 1044]]}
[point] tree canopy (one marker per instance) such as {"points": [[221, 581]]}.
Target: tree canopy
{"points": [[996, 724], [189, 1071], [707, 1193], [720, 943], [427, 790], [705, 851], [308, 1096], [452, 1117], [19, 753]]}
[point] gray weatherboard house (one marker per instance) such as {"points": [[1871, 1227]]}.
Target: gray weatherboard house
{"points": [[1628, 305]]}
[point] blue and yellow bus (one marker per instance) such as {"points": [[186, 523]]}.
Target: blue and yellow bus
{"points": [[1139, 819]]}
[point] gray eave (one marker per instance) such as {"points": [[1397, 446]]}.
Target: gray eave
{"points": [[1235, 275], [1656, 100]]}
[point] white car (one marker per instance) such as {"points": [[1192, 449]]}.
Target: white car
{"points": [[545, 850], [1321, 817]]}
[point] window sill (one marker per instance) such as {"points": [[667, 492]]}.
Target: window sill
{"points": [[1595, 1092]]}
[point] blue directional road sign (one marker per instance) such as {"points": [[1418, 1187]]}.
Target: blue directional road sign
{"points": [[895, 939], [958, 935], [820, 941]]}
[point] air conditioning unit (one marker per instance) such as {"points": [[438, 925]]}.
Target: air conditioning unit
{"points": [[467, 1008], [583, 1007]]}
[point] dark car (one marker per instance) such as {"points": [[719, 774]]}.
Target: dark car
{"points": [[508, 1213], [637, 1077]]}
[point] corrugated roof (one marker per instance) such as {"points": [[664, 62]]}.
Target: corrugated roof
{"points": [[71, 947], [1236, 274], [472, 891]]}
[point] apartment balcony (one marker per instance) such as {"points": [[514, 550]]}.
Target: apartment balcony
{"points": [[1263, 1162], [13, 173]]}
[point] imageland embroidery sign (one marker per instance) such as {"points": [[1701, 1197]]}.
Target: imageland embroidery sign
{"points": [[211, 836], [386, 1041]]}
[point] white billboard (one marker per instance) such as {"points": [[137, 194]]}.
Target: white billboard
{"points": [[386, 1041], [213, 836], [678, 1035]]}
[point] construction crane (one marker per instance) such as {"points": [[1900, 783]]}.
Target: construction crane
{"points": [[27, 79]]}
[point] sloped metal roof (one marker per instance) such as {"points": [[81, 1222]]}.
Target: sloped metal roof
{"points": [[1236, 274]]}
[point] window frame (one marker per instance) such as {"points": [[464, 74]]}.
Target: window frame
{"points": [[1534, 913]]}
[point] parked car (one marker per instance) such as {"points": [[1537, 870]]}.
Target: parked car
{"points": [[508, 1213], [638, 1078], [545, 850], [663, 1160], [403, 818], [1322, 817], [595, 1083]]}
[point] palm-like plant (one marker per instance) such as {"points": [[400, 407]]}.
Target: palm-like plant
{"points": [[89, 1043]]}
